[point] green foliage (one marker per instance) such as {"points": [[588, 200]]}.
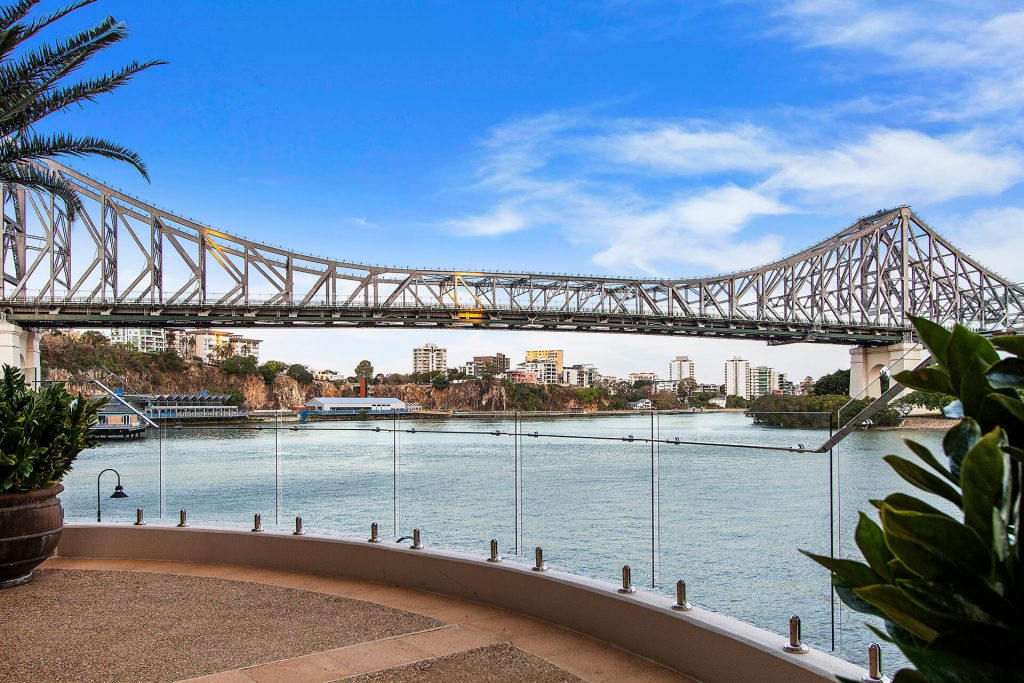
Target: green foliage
{"points": [[36, 83], [235, 396], [736, 402], [439, 382], [271, 369], [364, 370], [41, 432], [239, 365], [812, 412], [299, 373], [928, 400], [950, 588], [833, 384]]}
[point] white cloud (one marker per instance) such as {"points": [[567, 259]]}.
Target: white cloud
{"points": [[889, 167], [503, 219], [697, 149]]}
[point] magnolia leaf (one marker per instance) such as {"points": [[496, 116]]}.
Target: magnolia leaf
{"points": [[927, 379], [1011, 343], [1014, 406], [922, 451], [871, 542], [982, 479], [852, 572], [902, 610], [960, 438], [923, 479], [934, 336], [953, 410], [1007, 373], [951, 601], [905, 501], [948, 540], [967, 351]]}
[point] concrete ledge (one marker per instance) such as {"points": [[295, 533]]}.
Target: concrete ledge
{"points": [[704, 645]]}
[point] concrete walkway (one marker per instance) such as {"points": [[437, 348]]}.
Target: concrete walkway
{"points": [[465, 641]]}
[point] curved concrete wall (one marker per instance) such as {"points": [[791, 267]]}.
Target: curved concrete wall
{"points": [[704, 645]]}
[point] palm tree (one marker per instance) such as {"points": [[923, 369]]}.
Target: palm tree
{"points": [[35, 82]]}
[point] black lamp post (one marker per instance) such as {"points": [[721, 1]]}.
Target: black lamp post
{"points": [[118, 491]]}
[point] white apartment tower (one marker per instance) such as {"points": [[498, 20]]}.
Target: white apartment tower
{"points": [[680, 368], [429, 358], [762, 381], [737, 373], [144, 339]]}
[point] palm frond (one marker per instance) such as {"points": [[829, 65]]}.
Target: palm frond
{"points": [[12, 14], [44, 180], [39, 24], [58, 100], [36, 148]]}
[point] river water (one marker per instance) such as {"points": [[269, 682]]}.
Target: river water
{"points": [[727, 520]]}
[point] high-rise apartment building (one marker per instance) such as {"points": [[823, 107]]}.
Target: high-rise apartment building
{"points": [[762, 381], [680, 368], [429, 358], [499, 362], [144, 339], [550, 355], [580, 375], [212, 346], [737, 372], [547, 371], [643, 377]]}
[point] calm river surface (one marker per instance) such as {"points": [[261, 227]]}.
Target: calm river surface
{"points": [[731, 519]]}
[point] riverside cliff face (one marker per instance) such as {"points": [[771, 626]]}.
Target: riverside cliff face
{"points": [[283, 392]]}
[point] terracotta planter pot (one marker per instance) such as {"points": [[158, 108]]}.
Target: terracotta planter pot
{"points": [[30, 527]]}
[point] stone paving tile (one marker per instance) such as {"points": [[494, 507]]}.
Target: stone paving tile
{"points": [[223, 677], [380, 654], [450, 639], [315, 668]]}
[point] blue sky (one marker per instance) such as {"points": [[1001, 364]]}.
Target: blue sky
{"points": [[661, 138]]}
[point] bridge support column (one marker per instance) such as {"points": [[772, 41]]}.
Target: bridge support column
{"points": [[866, 364], [20, 348]]}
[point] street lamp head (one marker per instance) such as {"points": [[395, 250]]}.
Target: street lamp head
{"points": [[118, 492]]}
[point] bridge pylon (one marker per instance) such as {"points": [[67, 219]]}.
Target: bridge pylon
{"points": [[867, 363], [19, 347]]}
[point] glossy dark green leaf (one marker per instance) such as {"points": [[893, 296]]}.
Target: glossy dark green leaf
{"points": [[984, 493], [850, 599], [921, 451], [1007, 373], [965, 350], [908, 676], [923, 479], [958, 440], [960, 600], [945, 538], [934, 336], [1012, 405], [905, 501], [973, 385], [854, 573], [871, 542], [902, 610], [927, 379], [1011, 343]]}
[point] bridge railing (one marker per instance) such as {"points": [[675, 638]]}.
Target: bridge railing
{"points": [[706, 498]]}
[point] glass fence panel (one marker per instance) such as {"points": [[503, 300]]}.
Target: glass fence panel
{"points": [[221, 475], [138, 463], [586, 502], [733, 519], [863, 475], [457, 483], [336, 475]]}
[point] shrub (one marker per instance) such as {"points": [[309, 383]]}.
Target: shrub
{"points": [[299, 373], [950, 588], [41, 432]]}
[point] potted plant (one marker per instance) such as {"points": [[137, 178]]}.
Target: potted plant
{"points": [[950, 587], [41, 434]]}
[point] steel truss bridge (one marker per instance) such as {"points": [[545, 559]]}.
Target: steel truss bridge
{"points": [[125, 262]]}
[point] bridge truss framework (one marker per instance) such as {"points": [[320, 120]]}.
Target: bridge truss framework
{"points": [[137, 264]]}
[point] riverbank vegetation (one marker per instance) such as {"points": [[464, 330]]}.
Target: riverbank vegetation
{"points": [[813, 412]]}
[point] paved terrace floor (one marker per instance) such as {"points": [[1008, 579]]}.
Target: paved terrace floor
{"points": [[98, 620]]}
